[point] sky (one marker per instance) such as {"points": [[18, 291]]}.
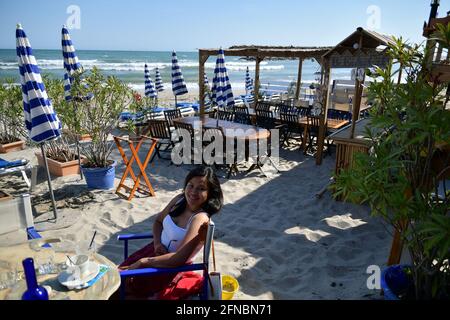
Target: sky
{"points": [[187, 25]]}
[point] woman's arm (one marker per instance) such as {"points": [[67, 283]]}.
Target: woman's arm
{"points": [[194, 237]]}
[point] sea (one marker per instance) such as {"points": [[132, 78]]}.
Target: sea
{"points": [[128, 66]]}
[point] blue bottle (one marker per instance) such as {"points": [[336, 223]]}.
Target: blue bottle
{"points": [[34, 291]]}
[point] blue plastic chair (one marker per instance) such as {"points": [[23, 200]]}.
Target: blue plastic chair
{"points": [[204, 266]]}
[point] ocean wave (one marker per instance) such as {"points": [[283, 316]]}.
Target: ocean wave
{"points": [[189, 85], [138, 66]]}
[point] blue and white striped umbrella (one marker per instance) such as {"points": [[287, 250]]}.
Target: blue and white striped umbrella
{"points": [[222, 94], [178, 84], [149, 87], [158, 81], [248, 82], [71, 63], [206, 81], [40, 118], [67, 86]]}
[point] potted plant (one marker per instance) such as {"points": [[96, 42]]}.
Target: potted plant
{"points": [[62, 156], [100, 116], [397, 178], [12, 127]]}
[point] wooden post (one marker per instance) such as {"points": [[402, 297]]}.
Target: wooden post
{"points": [[325, 101], [357, 103], [202, 57], [299, 79], [358, 95], [258, 61]]}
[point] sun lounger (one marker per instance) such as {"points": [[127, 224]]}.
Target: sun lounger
{"points": [[10, 167]]}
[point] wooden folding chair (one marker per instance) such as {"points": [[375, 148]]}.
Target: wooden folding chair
{"points": [[147, 188]]}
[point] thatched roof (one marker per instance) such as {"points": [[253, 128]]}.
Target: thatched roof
{"points": [[360, 50], [281, 52], [429, 29]]}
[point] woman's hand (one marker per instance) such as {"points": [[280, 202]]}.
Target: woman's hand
{"points": [[160, 249], [141, 263]]}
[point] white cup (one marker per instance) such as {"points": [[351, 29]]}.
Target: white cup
{"points": [[79, 268]]}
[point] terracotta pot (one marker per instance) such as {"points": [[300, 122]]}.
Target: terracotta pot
{"points": [[4, 195], [60, 169], [13, 146], [81, 137]]}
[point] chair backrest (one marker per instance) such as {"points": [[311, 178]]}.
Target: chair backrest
{"points": [[265, 119], [313, 124], [291, 120], [171, 115], [158, 129], [225, 115], [181, 126], [303, 111], [240, 109], [16, 220], [285, 108], [208, 243], [263, 106], [241, 115]]}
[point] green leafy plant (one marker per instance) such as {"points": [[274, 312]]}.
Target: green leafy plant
{"points": [[99, 115], [62, 149], [12, 122], [409, 131]]}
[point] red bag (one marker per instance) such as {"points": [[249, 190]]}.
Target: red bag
{"points": [[185, 284]]}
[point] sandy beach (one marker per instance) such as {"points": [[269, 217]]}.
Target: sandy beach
{"points": [[273, 235]]}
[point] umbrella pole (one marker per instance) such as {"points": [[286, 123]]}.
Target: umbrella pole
{"points": [[176, 107], [79, 159], [49, 181]]}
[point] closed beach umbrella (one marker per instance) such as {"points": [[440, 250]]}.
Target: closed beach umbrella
{"points": [[222, 94], [178, 84], [40, 119], [67, 86], [207, 82], [248, 82], [72, 65], [149, 87], [158, 81]]}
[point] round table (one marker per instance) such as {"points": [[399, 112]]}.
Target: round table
{"points": [[11, 257]]}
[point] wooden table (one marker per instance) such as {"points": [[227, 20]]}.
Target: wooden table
{"points": [[332, 124], [233, 130], [239, 131], [12, 256]]}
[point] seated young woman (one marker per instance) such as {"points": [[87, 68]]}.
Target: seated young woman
{"points": [[178, 233]]}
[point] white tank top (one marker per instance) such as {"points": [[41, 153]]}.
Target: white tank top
{"points": [[172, 235]]}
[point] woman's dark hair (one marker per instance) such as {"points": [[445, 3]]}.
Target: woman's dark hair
{"points": [[213, 203]]}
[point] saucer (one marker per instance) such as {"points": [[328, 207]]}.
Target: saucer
{"points": [[64, 277]]}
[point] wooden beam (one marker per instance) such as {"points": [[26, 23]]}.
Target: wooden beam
{"points": [[202, 57], [299, 79], [256, 88], [357, 103], [326, 70]]}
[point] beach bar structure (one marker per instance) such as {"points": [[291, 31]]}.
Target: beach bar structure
{"points": [[362, 49], [259, 53]]}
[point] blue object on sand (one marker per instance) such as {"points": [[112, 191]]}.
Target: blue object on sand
{"points": [[4, 164]]}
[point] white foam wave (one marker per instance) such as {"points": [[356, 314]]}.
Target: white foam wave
{"points": [[189, 85], [57, 64]]}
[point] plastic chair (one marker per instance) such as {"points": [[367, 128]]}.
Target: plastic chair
{"points": [[204, 266], [16, 220]]}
